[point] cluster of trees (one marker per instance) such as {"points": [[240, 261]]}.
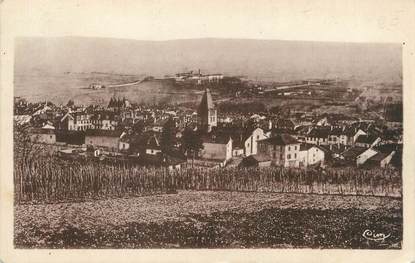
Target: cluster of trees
{"points": [[393, 112], [168, 136], [23, 107], [190, 142], [70, 103], [25, 152], [117, 103]]}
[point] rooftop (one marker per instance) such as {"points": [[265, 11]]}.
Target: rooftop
{"points": [[319, 133], [353, 152], [41, 131], [369, 139], [104, 133], [379, 157], [206, 103], [281, 139], [307, 146], [153, 142], [216, 138]]}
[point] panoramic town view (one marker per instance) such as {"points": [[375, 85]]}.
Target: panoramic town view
{"points": [[197, 145]]}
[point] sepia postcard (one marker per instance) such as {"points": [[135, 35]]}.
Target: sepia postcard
{"points": [[192, 131]]}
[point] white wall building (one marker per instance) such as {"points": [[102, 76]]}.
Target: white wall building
{"points": [[251, 143], [310, 155]]}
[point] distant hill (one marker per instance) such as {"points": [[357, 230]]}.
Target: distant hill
{"points": [[257, 59]]}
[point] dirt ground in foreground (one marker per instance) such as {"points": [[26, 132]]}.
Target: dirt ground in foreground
{"points": [[211, 219]]}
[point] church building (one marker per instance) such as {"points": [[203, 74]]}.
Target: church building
{"points": [[207, 113]]}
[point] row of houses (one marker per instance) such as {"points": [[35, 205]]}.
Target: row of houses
{"points": [[288, 147], [284, 150], [342, 136], [251, 145], [260, 150], [258, 141]]}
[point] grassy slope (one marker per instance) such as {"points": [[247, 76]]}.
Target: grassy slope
{"points": [[211, 219], [60, 88]]}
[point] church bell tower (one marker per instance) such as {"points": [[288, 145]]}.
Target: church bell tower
{"points": [[207, 113]]}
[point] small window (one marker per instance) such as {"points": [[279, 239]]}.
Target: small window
{"points": [[289, 148], [274, 155], [295, 156], [257, 137], [288, 156], [51, 136]]}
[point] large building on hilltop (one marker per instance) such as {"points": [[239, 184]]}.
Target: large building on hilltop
{"points": [[198, 78], [207, 116]]}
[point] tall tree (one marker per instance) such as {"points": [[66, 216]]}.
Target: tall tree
{"points": [[168, 135], [191, 143], [138, 127], [70, 103]]}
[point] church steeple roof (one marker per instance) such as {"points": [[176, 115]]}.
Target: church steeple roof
{"points": [[206, 103]]}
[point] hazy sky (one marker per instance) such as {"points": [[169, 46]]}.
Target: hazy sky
{"points": [[322, 20]]}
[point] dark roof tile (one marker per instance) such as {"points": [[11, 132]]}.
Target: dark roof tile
{"points": [[280, 139], [104, 133], [206, 103]]}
